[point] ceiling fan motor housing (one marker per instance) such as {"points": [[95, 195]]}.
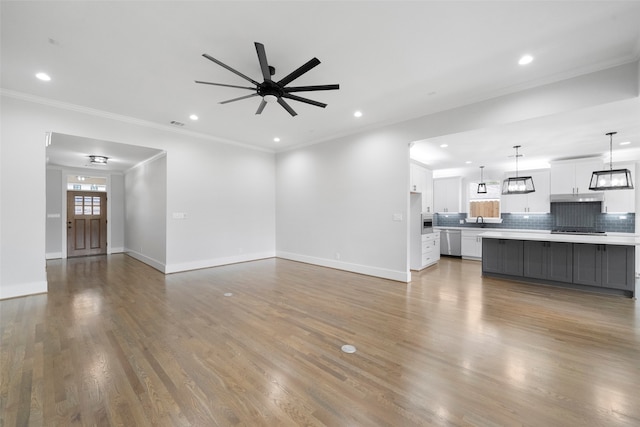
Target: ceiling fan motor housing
{"points": [[269, 87]]}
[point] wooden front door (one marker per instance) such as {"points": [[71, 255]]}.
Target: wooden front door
{"points": [[86, 223]]}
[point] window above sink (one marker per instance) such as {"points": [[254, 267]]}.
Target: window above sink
{"points": [[484, 207]]}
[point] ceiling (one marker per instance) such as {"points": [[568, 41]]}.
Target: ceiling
{"points": [[73, 152], [393, 60]]}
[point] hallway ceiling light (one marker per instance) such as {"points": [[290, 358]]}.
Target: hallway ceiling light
{"points": [[612, 179], [482, 186], [518, 184], [98, 160]]}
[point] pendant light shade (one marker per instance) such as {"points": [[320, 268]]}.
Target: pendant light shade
{"points": [[612, 179], [518, 184], [482, 186]]}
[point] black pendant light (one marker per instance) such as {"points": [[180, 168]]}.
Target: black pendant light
{"points": [[612, 179], [482, 186], [518, 184]]}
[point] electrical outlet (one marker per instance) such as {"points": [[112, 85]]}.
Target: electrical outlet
{"points": [[462, 221]]}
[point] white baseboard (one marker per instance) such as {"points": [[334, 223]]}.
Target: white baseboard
{"points": [[22, 289], [160, 266], [53, 255], [400, 276], [216, 262], [116, 250]]}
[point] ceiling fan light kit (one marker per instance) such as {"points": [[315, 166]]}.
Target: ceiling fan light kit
{"points": [[518, 184], [270, 90], [612, 179]]}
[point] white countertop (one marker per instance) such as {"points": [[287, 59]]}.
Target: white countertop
{"points": [[609, 239]]}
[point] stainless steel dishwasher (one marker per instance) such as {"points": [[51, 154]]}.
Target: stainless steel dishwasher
{"points": [[450, 242]]}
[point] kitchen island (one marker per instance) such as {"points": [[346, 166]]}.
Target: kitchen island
{"points": [[598, 263]]}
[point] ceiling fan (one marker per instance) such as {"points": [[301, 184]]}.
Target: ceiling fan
{"points": [[271, 90]]}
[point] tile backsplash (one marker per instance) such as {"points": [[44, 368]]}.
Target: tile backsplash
{"points": [[614, 223]]}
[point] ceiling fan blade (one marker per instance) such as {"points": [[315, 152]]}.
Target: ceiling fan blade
{"points": [[310, 88], [238, 99], [263, 104], [305, 100], [262, 58], [211, 58], [287, 107], [225, 85], [300, 71]]}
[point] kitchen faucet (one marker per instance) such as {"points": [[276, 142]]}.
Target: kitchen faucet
{"points": [[482, 222]]}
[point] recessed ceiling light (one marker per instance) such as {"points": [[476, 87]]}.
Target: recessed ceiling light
{"points": [[357, 114], [444, 145], [525, 59], [276, 139], [468, 162], [44, 77], [193, 117], [625, 143]]}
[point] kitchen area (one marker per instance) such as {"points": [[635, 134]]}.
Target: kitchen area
{"points": [[560, 225]]}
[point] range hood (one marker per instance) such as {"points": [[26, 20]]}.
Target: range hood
{"points": [[577, 198]]}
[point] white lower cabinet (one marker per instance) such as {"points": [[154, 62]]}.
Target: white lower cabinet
{"points": [[471, 244], [430, 248]]}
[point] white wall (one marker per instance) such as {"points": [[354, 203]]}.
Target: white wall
{"points": [[23, 210], [116, 218], [54, 213], [339, 197], [233, 209], [145, 188], [228, 196]]}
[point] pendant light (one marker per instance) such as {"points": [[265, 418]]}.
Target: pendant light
{"points": [[612, 179], [518, 184], [482, 186]]}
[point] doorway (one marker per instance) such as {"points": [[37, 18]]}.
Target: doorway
{"points": [[86, 223]]}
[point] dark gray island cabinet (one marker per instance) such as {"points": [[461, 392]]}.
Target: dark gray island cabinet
{"points": [[528, 257], [609, 266]]}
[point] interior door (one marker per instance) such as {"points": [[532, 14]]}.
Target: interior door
{"points": [[86, 223]]}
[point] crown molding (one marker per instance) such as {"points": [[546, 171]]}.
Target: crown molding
{"points": [[121, 118]]}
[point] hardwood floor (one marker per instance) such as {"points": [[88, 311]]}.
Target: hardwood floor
{"points": [[115, 342]]}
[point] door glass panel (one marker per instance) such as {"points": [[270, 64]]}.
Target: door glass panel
{"points": [[87, 210], [78, 210], [87, 201], [96, 201], [78, 200], [96, 210]]}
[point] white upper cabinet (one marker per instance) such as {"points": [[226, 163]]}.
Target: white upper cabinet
{"points": [[447, 194], [573, 176], [427, 193], [415, 185], [538, 201], [620, 200], [422, 182]]}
